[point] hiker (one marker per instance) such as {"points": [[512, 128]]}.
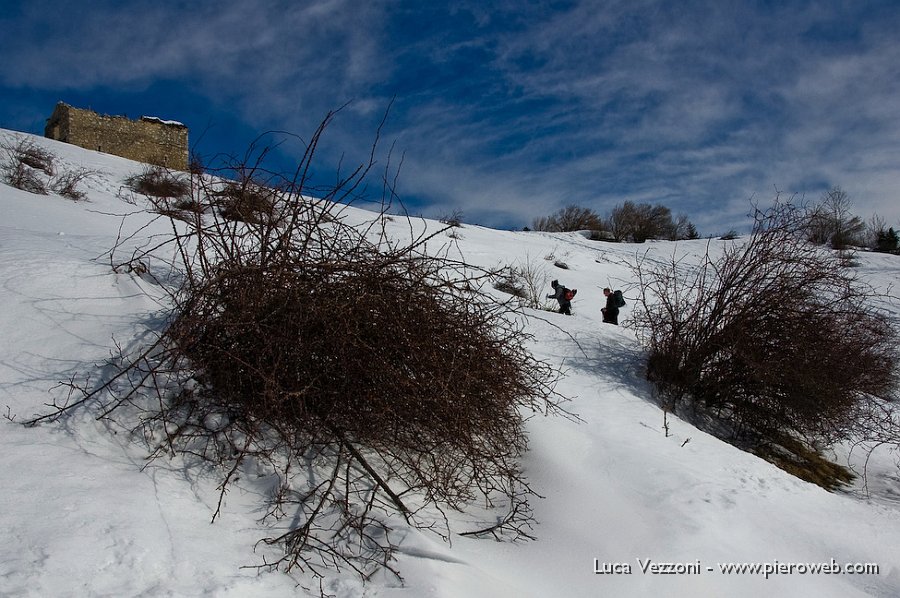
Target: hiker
{"points": [[614, 300], [563, 296]]}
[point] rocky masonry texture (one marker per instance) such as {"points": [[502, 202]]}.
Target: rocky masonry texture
{"points": [[148, 139]]}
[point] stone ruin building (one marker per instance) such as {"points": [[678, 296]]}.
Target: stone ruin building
{"points": [[148, 139]]}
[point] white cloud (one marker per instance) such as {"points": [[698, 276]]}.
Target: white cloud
{"points": [[700, 104]]}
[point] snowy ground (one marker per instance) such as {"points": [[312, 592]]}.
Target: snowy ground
{"points": [[81, 518]]}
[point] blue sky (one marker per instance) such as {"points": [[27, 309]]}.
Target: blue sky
{"points": [[502, 110]]}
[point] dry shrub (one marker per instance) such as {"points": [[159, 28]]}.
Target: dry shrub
{"points": [[528, 281], [36, 157], [776, 336], [25, 178], [368, 350], [196, 164], [247, 201], [373, 382], [157, 181], [27, 166], [66, 184], [453, 219], [510, 281], [31, 168], [186, 209], [186, 204]]}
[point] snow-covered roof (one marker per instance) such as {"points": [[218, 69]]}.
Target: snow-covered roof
{"points": [[173, 123]]}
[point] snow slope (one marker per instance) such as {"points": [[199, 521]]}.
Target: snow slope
{"points": [[80, 517]]}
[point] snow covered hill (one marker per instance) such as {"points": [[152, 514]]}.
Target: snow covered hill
{"points": [[81, 516]]}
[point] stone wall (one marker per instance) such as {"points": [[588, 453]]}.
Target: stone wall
{"points": [[147, 139]]}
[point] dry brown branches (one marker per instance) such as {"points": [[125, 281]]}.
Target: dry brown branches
{"points": [[374, 381], [776, 334]]}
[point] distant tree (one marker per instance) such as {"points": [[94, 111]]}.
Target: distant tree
{"points": [[628, 221], [638, 222], [684, 229], [880, 237], [831, 221], [569, 218], [887, 241], [875, 227], [622, 221]]}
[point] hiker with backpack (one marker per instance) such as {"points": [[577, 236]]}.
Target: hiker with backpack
{"points": [[614, 300], [564, 296]]}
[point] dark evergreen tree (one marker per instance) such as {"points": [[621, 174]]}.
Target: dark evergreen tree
{"points": [[887, 241]]}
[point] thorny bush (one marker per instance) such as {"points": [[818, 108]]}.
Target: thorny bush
{"points": [[29, 167], [159, 182], [776, 336], [26, 166], [375, 381]]}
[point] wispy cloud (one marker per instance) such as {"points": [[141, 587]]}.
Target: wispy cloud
{"points": [[510, 110]]}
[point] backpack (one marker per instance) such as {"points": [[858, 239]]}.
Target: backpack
{"points": [[569, 294], [619, 299]]}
